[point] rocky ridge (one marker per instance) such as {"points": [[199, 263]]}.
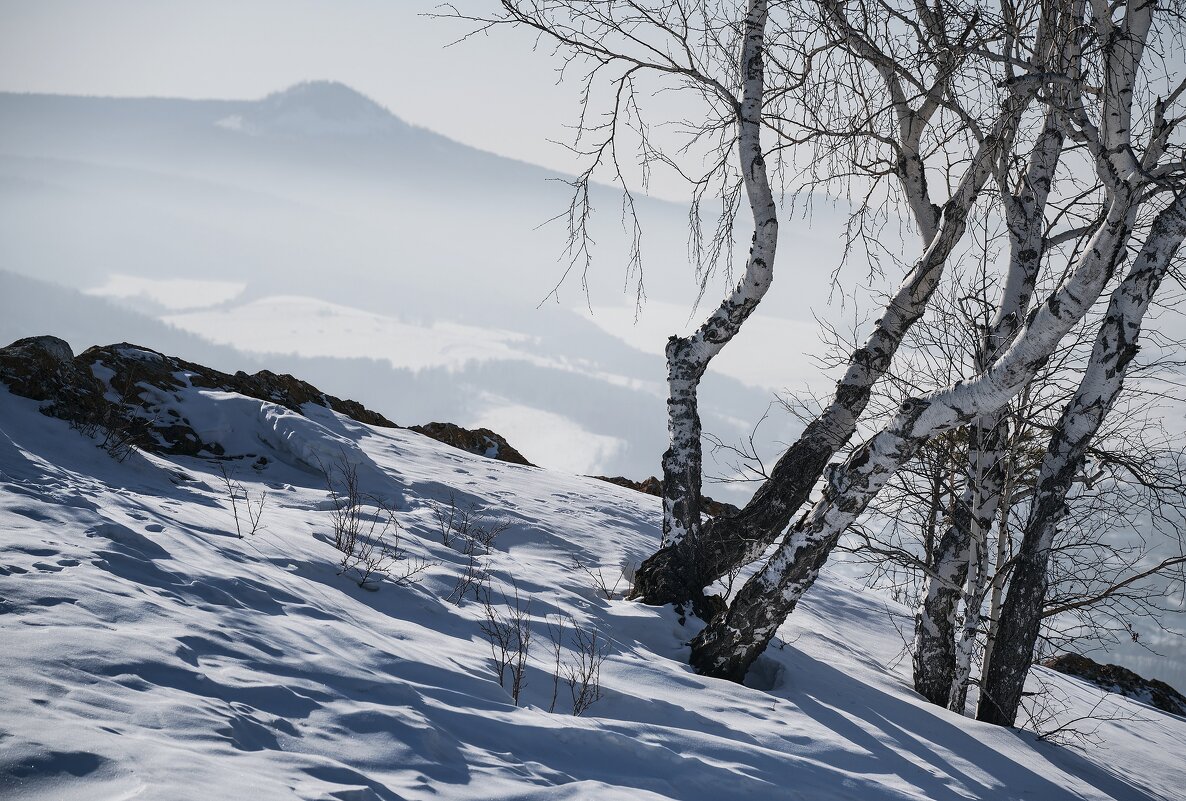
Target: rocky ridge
{"points": [[1117, 679], [127, 394]]}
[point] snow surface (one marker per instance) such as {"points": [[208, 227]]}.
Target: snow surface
{"points": [[147, 652]]}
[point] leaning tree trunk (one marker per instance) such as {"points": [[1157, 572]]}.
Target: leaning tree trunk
{"points": [[730, 643], [1115, 347], [685, 564], [688, 357], [941, 657]]}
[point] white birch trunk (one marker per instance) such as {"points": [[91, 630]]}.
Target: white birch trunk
{"points": [[686, 564], [942, 658], [688, 358], [997, 591]]}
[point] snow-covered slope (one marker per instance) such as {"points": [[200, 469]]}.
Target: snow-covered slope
{"points": [[148, 652]]}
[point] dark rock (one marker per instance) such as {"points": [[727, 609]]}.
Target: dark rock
{"points": [[653, 486], [130, 388], [44, 369], [133, 363], [1117, 679], [481, 441]]}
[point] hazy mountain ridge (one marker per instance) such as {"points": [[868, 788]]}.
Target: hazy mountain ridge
{"points": [[325, 126], [404, 395]]}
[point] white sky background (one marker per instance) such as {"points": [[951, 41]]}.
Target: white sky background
{"points": [[491, 92]]}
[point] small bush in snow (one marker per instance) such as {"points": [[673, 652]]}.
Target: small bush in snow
{"points": [[601, 579], [254, 509], [473, 532], [468, 528], [116, 434], [581, 673], [369, 538], [509, 635], [472, 577], [1047, 714]]}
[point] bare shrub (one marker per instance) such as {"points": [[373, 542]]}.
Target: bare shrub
{"points": [[472, 531], [472, 577], [584, 673], [121, 437], [1047, 714], [556, 628], [581, 673], [116, 434], [469, 527], [600, 578], [509, 635], [369, 538], [254, 509]]}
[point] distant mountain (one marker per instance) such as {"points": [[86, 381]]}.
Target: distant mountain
{"points": [[316, 108], [313, 175], [313, 127]]}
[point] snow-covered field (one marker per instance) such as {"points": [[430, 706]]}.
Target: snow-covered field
{"points": [[148, 652]]}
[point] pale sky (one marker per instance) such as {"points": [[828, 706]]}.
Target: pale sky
{"points": [[492, 91]]}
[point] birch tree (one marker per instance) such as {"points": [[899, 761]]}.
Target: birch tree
{"points": [[897, 130], [1117, 547], [729, 644], [1115, 347], [1122, 35], [688, 357], [734, 639], [941, 657]]}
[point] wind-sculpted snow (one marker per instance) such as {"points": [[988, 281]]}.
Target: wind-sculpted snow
{"points": [[147, 652], [246, 426]]}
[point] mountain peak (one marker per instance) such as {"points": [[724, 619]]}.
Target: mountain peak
{"points": [[314, 108]]}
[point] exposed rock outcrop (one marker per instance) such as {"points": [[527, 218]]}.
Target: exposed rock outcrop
{"points": [[1117, 679], [135, 392], [481, 441], [653, 486], [44, 369]]}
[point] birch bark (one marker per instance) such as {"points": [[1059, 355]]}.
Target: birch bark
{"points": [[942, 658], [685, 564]]}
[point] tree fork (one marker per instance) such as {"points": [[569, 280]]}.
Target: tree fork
{"points": [[732, 641], [680, 570]]}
